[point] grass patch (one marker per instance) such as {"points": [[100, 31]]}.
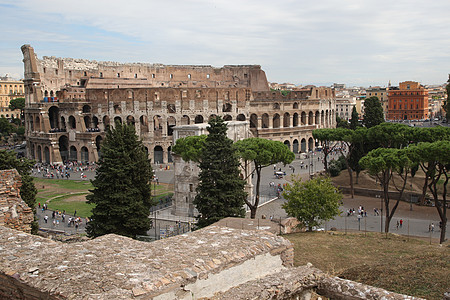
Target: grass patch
{"points": [[411, 267], [61, 203], [74, 185]]}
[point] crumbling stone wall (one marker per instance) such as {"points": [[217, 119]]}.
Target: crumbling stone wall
{"points": [[14, 212]]}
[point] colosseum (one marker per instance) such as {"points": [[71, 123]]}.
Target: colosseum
{"points": [[71, 102]]}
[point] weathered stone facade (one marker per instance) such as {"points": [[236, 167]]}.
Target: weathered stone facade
{"points": [[70, 103], [211, 263], [14, 212]]}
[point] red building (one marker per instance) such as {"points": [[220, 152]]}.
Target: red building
{"points": [[409, 101]]}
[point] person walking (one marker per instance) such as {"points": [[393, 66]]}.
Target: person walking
{"points": [[401, 223]]}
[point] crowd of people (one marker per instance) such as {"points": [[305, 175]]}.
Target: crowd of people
{"points": [[60, 218], [63, 170]]}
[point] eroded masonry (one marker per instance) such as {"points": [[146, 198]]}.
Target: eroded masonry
{"points": [[71, 102]]}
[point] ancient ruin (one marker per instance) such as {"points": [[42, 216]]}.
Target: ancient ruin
{"points": [[71, 102]]}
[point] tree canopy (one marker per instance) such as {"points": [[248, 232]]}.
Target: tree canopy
{"points": [[373, 112], [121, 193], [9, 160], [17, 103], [313, 201], [220, 192], [190, 148], [262, 153]]}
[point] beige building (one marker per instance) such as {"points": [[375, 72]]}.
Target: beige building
{"points": [[71, 102], [10, 89], [382, 94]]}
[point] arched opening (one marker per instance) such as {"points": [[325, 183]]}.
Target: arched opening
{"points": [[310, 144], [288, 144], [95, 122], [265, 121], [84, 155], [253, 121], [87, 122], [63, 124], [276, 121], [295, 146], [64, 148], [310, 118], [171, 122], [32, 150], [286, 120], [157, 126], [38, 124], [303, 118], [295, 120], [86, 109], [227, 107], [143, 121], [295, 105], [53, 115], [98, 144], [117, 119], [39, 153], [327, 118], [130, 121], [227, 118], [322, 118], [198, 119], [46, 155], [106, 122], [303, 145], [241, 117], [73, 155], [317, 121], [117, 109], [158, 155], [169, 154], [185, 120], [72, 122]]}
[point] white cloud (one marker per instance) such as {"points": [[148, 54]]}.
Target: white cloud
{"points": [[364, 42]]}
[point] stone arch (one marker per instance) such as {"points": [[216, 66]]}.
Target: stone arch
{"points": [[310, 118], [276, 121], [98, 143], [310, 144], [39, 153], [38, 124], [73, 153], [322, 118], [158, 155], [227, 107], [87, 122], [117, 119], [240, 117], [84, 154], [286, 120], [317, 118], [143, 121], [227, 118], [288, 144], [117, 109], [106, 122], [72, 123], [94, 122], [86, 109], [303, 118], [253, 121], [130, 120], [169, 154], [276, 105], [63, 143], [171, 122], [265, 121], [295, 120], [157, 125], [53, 115], [303, 145], [198, 119], [46, 155], [212, 117], [185, 120], [327, 118], [295, 146], [295, 105]]}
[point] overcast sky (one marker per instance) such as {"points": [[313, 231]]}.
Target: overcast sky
{"points": [[364, 43]]}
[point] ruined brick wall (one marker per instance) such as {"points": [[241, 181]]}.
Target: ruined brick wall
{"points": [[14, 212]]}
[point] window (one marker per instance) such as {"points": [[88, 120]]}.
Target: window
{"points": [[101, 75], [135, 75], [395, 106], [189, 76], [118, 75], [85, 73], [245, 75], [153, 75], [207, 76], [408, 87], [171, 76], [56, 72]]}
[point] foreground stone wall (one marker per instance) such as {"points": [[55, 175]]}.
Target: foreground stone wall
{"points": [[14, 212]]}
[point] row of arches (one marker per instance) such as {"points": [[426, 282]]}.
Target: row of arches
{"points": [[323, 118], [302, 146]]}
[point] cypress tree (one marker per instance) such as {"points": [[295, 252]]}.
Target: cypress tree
{"points": [[220, 192], [373, 112], [355, 119], [121, 193]]}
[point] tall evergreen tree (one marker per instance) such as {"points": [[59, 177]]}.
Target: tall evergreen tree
{"points": [[446, 105], [121, 193], [373, 112], [220, 192], [354, 121]]}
